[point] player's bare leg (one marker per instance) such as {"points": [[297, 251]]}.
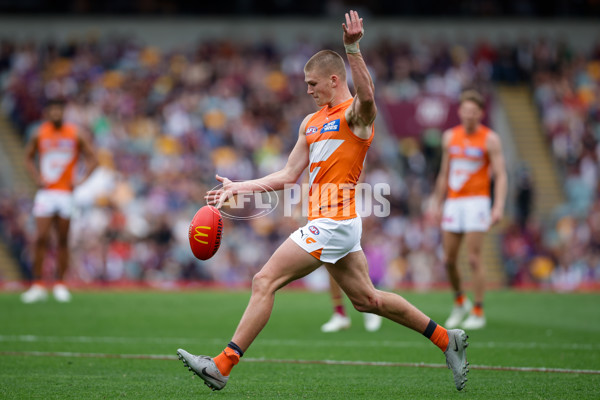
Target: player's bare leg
{"points": [[451, 242], [462, 306], [62, 225], [474, 243], [352, 274], [288, 263], [60, 291], [37, 291], [43, 226]]}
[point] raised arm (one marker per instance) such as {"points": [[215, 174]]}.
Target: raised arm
{"points": [[500, 180], [297, 162], [363, 111]]}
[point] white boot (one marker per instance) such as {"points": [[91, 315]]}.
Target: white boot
{"points": [[458, 314], [336, 323], [372, 322], [61, 293], [474, 322], [35, 293]]}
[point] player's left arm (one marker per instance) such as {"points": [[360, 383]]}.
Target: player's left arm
{"points": [[89, 156], [31, 150], [361, 114], [500, 179]]}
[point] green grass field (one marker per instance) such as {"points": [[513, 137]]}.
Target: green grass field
{"points": [[100, 347]]}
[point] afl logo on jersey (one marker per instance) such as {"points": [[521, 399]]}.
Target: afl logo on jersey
{"points": [[333, 126], [313, 229], [311, 129]]}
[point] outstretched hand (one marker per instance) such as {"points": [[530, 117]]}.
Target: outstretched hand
{"points": [[353, 28], [219, 196]]}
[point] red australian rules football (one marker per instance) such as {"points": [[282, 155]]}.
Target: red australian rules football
{"points": [[205, 232]]}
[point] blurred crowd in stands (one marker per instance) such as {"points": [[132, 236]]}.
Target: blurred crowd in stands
{"points": [[566, 248], [164, 122]]}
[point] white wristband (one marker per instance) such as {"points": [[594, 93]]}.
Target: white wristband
{"points": [[352, 48]]}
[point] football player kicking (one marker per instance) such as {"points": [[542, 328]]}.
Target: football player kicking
{"points": [[333, 143]]}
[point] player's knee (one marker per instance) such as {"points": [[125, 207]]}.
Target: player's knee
{"points": [[261, 283], [474, 260], [367, 303]]}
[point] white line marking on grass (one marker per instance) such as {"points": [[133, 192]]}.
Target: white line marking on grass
{"points": [[296, 343], [320, 362], [96, 339]]}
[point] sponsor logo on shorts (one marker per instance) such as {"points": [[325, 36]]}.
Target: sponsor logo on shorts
{"points": [[311, 129], [313, 229], [333, 126], [310, 240]]}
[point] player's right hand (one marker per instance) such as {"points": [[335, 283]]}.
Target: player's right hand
{"points": [[221, 195]]}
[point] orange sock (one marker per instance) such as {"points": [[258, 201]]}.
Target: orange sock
{"points": [[437, 334], [459, 300], [226, 361], [440, 337], [39, 282], [477, 310]]}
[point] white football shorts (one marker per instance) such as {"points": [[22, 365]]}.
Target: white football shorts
{"points": [[329, 240], [48, 203], [467, 214]]}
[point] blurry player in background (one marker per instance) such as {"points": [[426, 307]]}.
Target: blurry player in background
{"points": [[470, 152], [57, 146], [333, 143]]}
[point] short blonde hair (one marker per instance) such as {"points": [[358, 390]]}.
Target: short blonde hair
{"points": [[474, 96], [327, 62]]}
